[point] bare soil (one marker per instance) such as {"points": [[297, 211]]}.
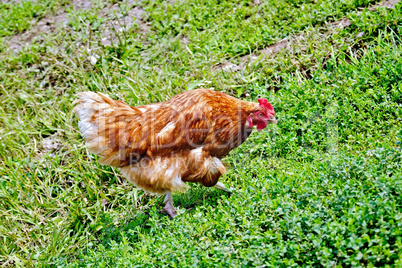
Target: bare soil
{"points": [[286, 43], [115, 26], [60, 20]]}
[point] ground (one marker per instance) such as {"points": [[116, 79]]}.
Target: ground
{"points": [[322, 188]]}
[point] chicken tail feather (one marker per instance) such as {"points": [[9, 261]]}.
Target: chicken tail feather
{"points": [[104, 124]]}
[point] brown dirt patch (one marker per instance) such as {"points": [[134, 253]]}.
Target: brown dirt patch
{"points": [[81, 4], [387, 4], [286, 43], [49, 145], [109, 30], [45, 25]]}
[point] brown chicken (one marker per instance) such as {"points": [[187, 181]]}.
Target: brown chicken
{"points": [[158, 147]]}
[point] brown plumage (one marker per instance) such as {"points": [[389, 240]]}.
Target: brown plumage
{"points": [[158, 147]]}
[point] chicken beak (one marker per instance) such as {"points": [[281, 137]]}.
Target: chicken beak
{"points": [[273, 120]]}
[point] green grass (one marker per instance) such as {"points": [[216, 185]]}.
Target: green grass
{"points": [[322, 188], [18, 17]]}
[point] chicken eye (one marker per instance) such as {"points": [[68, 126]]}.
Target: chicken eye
{"points": [[259, 114]]}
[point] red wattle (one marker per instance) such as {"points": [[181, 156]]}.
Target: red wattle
{"points": [[261, 125]]}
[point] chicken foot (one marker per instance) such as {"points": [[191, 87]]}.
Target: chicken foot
{"points": [[222, 187], [169, 208]]}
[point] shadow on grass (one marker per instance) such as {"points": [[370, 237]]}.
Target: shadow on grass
{"points": [[143, 222], [199, 196]]}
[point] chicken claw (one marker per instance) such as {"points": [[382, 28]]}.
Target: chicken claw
{"points": [[222, 187], [169, 208]]}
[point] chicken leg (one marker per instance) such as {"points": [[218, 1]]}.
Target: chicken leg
{"points": [[169, 208], [222, 187]]}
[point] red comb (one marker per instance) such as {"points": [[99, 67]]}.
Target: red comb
{"points": [[266, 105]]}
